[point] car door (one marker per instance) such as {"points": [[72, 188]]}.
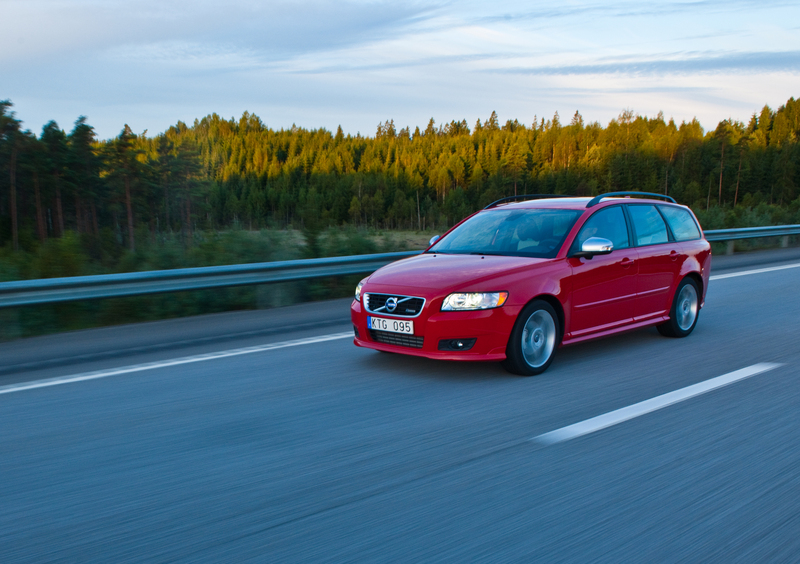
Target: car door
{"points": [[660, 260], [603, 287]]}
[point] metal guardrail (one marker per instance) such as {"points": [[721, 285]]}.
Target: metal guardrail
{"points": [[752, 232], [731, 235], [55, 290]]}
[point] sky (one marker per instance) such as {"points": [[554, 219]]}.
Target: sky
{"points": [[356, 63]]}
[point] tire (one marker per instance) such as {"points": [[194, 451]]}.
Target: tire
{"points": [[533, 340], [684, 311]]}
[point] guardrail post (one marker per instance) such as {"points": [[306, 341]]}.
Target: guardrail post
{"points": [[784, 241], [276, 295], [9, 324], [730, 247]]}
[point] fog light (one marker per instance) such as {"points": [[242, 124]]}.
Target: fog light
{"points": [[456, 344]]}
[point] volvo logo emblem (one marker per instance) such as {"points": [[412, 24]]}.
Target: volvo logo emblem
{"points": [[391, 304]]}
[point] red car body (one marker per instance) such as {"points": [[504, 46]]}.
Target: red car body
{"points": [[629, 288]]}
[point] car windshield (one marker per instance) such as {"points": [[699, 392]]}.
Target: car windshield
{"points": [[510, 232]]}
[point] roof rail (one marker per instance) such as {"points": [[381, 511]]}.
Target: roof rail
{"points": [[596, 200], [525, 197]]}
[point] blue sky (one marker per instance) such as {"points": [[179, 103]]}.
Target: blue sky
{"points": [[321, 63]]}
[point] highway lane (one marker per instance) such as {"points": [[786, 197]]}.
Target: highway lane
{"points": [[31, 358], [328, 452]]}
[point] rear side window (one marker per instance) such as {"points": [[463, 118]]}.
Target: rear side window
{"points": [[649, 225], [681, 222], [608, 223]]}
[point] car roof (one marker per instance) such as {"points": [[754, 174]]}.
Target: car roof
{"points": [[576, 203]]}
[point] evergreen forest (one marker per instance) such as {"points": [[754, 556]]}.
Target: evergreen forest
{"points": [[110, 197]]}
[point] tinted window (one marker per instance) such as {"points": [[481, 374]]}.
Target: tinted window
{"points": [[681, 222], [608, 223], [649, 225], [512, 232]]}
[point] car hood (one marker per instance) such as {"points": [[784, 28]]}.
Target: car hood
{"points": [[446, 272]]}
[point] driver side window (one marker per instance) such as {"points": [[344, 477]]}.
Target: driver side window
{"points": [[608, 223]]}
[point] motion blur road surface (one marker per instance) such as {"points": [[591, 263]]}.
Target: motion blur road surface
{"points": [[301, 449]]}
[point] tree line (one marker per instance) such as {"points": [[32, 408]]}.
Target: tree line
{"points": [[218, 173]]}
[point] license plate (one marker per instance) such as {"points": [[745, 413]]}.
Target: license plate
{"points": [[390, 325]]}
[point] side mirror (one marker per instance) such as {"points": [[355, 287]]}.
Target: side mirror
{"points": [[433, 240], [594, 246]]}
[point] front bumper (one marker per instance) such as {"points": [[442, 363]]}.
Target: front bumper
{"points": [[490, 328]]}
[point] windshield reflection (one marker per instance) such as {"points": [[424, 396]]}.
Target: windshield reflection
{"points": [[510, 232]]}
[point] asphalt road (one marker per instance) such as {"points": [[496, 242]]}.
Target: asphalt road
{"points": [[301, 449]]}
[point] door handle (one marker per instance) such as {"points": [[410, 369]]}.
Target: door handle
{"points": [[626, 262], [673, 255]]}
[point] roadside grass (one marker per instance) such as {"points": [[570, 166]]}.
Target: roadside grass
{"points": [[75, 255]]}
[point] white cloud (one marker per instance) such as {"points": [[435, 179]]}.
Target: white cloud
{"points": [[52, 28], [322, 62]]}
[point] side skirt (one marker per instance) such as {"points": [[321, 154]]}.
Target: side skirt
{"points": [[616, 330]]}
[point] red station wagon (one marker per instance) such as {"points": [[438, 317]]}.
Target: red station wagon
{"points": [[517, 279]]}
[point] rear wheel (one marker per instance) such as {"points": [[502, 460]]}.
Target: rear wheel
{"points": [[533, 340], [684, 312]]}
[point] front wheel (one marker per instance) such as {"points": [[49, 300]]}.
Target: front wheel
{"points": [[533, 340], [684, 312]]}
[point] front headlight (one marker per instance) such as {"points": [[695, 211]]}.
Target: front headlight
{"points": [[358, 290], [474, 301]]}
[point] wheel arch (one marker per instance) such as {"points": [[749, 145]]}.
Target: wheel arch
{"points": [[699, 281], [559, 309]]}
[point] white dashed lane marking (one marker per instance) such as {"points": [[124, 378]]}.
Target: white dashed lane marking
{"points": [[167, 363], [648, 406], [756, 271]]}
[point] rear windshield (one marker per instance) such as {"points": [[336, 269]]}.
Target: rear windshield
{"points": [[516, 232]]}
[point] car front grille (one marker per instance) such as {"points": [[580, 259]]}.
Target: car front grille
{"points": [[398, 339], [407, 306]]}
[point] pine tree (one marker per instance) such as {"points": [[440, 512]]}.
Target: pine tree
{"points": [[84, 171], [125, 170], [10, 137]]}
